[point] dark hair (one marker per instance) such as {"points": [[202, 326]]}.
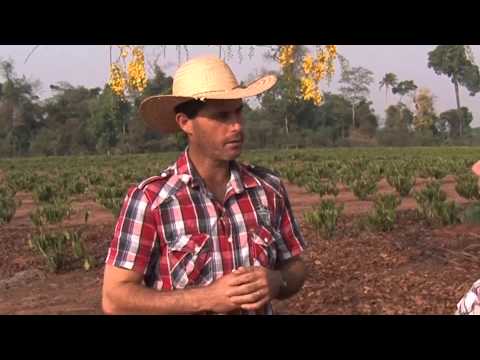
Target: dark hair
{"points": [[190, 108]]}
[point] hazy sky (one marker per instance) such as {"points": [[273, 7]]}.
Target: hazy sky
{"points": [[88, 65]]}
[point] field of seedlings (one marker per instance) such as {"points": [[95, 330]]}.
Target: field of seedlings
{"points": [[389, 230]]}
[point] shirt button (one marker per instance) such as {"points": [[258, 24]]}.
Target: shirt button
{"points": [[197, 248], [230, 240]]}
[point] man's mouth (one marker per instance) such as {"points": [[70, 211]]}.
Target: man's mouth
{"points": [[235, 142]]}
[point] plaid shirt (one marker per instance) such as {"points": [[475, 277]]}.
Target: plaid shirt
{"points": [[172, 230]]}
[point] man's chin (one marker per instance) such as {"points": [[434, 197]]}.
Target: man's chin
{"points": [[232, 151], [230, 157]]}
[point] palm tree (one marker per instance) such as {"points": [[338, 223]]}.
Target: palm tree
{"points": [[389, 81]]}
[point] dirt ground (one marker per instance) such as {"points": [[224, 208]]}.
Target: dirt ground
{"points": [[415, 269]]}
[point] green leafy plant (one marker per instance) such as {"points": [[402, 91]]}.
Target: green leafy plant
{"points": [[8, 205], [325, 217], [48, 193], [384, 213], [323, 187], [432, 205], [364, 185], [78, 246], [467, 186], [402, 179], [52, 246], [51, 213]]}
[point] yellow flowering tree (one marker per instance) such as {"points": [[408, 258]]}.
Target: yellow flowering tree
{"points": [[313, 68], [127, 72], [301, 73]]}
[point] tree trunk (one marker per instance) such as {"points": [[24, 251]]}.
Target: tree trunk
{"points": [[286, 124], [457, 95], [353, 116]]}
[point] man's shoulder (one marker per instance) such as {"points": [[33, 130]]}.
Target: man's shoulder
{"points": [[154, 184]]}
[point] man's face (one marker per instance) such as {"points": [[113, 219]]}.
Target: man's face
{"points": [[217, 130]]}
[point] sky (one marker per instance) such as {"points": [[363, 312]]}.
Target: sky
{"points": [[88, 65]]}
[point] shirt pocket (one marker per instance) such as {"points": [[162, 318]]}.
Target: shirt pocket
{"points": [[190, 259], [262, 245]]}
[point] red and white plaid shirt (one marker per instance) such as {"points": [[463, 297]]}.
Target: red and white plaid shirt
{"points": [[172, 230]]}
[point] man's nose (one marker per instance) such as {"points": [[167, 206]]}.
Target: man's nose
{"points": [[237, 122]]}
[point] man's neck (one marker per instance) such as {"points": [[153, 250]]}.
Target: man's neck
{"points": [[215, 173]]}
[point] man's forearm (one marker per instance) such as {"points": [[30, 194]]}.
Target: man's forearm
{"points": [[131, 298], [293, 273]]}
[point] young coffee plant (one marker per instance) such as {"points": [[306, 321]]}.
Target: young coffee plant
{"points": [[8, 205], [467, 186], [384, 213], [364, 185], [433, 207], [324, 218], [402, 179]]}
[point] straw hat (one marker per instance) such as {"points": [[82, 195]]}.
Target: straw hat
{"points": [[206, 77]]}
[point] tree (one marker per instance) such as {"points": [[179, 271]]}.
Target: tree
{"points": [[450, 121], [366, 119], [398, 117], [403, 88], [456, 62], [425, 116], [357, 81], [20, 112], [109, 118], [332, 118], [159, 84], [283, 100], [64, 128], [139, 137], [389, 81], [260, 130]]}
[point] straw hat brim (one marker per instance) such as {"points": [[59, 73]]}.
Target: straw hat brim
{"points": [[159, 114]]}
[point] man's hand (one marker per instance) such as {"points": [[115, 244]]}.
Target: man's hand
{"points": [[221, 292], [248, 289], [254, 287]]}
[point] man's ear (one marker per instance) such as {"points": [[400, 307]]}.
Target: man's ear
{"points": [[184, 123]]}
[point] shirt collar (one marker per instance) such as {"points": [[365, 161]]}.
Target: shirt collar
{"points": [[240, 177]]}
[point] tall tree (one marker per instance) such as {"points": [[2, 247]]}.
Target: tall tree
{"points": [[389, 81], [108, 119], [404, 87], [64, 127], [456, 62], [357, 81], [288, 89], [20, 112], [450, 118], [425, 116]]}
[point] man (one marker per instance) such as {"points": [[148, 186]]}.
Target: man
{"points": [[209, 235], [469, 304]]}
